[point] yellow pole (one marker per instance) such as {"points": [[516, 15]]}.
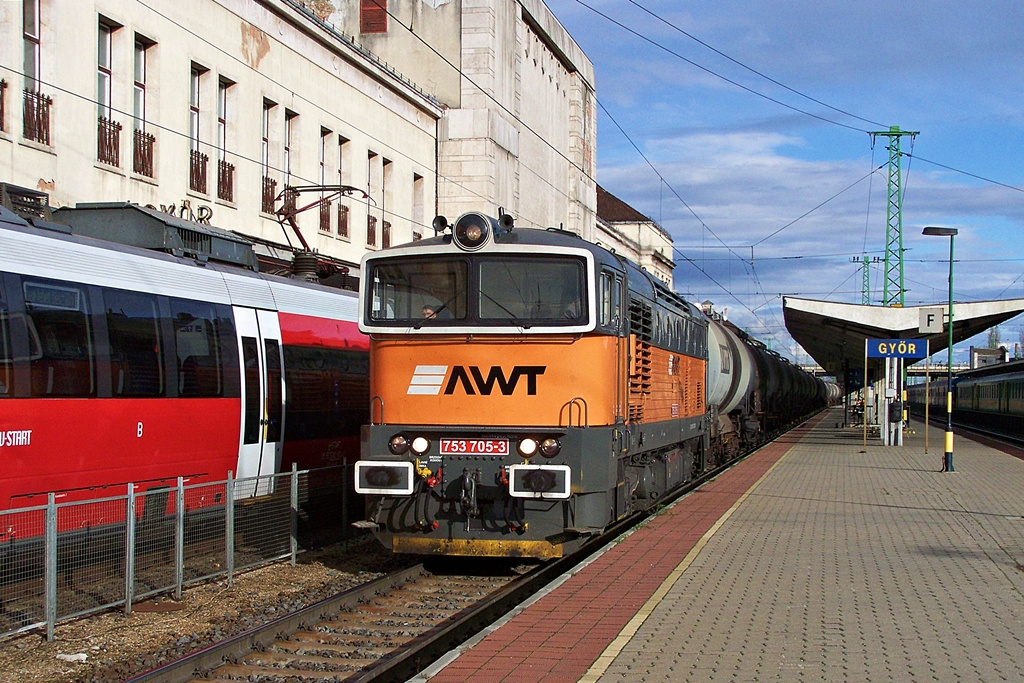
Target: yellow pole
{"points": [[864, 412], [927, 389]]}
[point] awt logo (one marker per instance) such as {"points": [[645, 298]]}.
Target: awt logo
{"points": [[471, 380]]}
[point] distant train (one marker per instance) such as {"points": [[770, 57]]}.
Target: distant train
{"points": [[989, 398], [529, 388], [120, 364]]}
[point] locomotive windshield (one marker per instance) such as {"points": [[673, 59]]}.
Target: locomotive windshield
{"points": [[488, 290]]}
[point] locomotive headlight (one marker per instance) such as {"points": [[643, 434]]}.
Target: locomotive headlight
{"points": [[549, 448], [527, 447], [420, 445], [539, 481], [398, 444], [376, 477], [471, 231]]}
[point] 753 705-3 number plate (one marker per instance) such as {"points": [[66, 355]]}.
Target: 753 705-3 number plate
{"points": [[474, 447]]}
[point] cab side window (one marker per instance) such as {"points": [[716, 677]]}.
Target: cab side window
{"points": [[610, 300]]}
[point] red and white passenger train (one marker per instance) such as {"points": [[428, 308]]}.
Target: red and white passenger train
{"points": [[124, 365]]}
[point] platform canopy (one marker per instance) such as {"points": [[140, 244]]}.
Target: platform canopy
{"points": [[834, 333]]}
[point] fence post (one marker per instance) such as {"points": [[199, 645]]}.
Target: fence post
{"points": [[229, 527], [346, 530], [179, 537], [295, 512], [50, 569], [129, 550]]}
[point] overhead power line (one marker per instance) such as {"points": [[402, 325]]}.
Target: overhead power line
{"points": [[751, 69]]}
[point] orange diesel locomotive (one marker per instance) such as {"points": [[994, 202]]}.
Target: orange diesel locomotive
{"points": [[528, 388]]}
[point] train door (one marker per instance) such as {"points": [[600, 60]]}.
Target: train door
{"points": [[259, 339]]}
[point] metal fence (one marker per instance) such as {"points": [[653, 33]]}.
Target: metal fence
{"points": [[64, 560]]}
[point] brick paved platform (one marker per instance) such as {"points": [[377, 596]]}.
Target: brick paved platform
{"points": [[808, 561]]}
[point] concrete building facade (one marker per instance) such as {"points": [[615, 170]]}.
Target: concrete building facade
{"points": [[208, 109], [519, 125], [625, 230]]}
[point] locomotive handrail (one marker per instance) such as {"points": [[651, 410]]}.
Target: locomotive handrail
{"points": [[584, 411], [381, 400]]}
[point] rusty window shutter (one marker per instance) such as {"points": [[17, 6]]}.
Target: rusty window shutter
{"points": [[373, 16]]}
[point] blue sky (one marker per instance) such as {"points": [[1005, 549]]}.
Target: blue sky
{"points": [[749, 166]]}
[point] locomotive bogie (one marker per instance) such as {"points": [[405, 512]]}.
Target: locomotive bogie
{"points": [[475, 504]]}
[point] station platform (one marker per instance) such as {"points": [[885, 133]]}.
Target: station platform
{"points": [[813, 559]]}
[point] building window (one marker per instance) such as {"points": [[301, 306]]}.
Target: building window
{"points": [[325, 203], [343, 207], [197, 160], [373, 16], [142, 141], [386, 200], [225, 170], [343, 211], [289, 130], [269, 184], [30, 23], [139, 84], [103, 75], [371, 231], [374, 198], [36, 113], [108, 131], [3, 99], [418, 201]]}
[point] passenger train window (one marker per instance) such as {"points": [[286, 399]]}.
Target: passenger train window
{"points": [[327, 392], [66, 362], [6, 355], [136, 356], [253, 407], [273, 357], [204, 343]]}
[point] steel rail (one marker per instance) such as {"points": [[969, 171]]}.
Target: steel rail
{"points": [[421, 651]]}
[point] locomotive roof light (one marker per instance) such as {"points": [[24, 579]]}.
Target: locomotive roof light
{"points": [[420, 445], [527, 447], [471, 231]]}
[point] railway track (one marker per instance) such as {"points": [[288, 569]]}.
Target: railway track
{"points": [[389, 629]]}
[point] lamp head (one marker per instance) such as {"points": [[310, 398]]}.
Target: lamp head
{"points": [[941, 232]]}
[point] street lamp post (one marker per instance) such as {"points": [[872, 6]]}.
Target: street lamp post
{"points": [[947, 462]]}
